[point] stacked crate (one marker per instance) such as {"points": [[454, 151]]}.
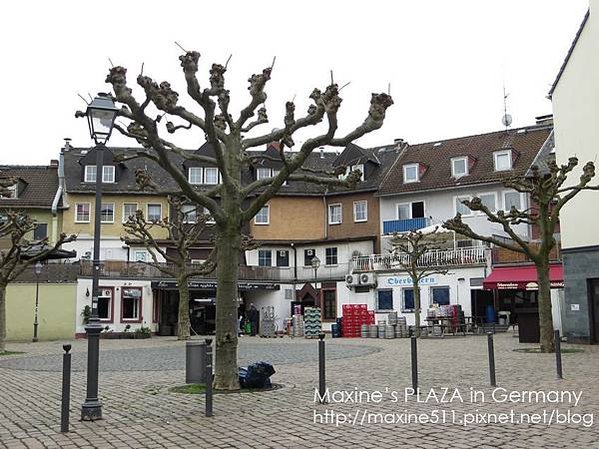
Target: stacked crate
{"points": [[354, 316], [312, 322], [298, 325], [267, 326]]}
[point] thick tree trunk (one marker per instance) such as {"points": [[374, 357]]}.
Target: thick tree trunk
{"points": [[2, 318], [226, 370], [417, 308], [183, 322], [545, 315]]}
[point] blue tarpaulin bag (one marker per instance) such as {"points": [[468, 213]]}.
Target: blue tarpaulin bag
{"points": [[256, 375]]}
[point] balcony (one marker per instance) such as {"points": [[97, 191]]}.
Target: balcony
{"points": [[459, 257], [405, 225], [503, 256]]}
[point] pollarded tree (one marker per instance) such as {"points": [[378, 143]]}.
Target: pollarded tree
{"points": [[184, 226], [549, 193], [412, 250], [17, 251], [231, 203]]}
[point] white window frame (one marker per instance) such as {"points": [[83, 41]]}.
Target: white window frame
{"points": [[137, 253], [497, 154], [112, 171], [359, 167], [113, 213], [206, 170], [209, 218], [406, 167], [331, 222], [148, 211], [86, 175], [522, 199], [453, 170], [263, 223], [336, 256], [125, 217], [269, 251], [138, 308], [188, 211], [89, 213], [495, 199], [266, 173], [365, 219], [409, 210], [455, 205], [14, 192], [201, 171]]}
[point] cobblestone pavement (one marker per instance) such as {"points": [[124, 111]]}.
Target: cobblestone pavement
{"points": [[140, 412]]}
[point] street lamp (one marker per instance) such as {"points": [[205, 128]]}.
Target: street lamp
{"points": [[316, 265], [38, 271], [100, 113]]}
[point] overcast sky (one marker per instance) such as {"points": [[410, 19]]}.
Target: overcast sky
{"points": [[446, 60]]}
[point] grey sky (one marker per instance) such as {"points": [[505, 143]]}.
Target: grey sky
{"points": [[446, 60]]}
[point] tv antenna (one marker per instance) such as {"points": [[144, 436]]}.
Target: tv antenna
{"points": [[507, 118]]}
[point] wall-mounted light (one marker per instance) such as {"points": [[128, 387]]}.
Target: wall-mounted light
{"points": [[87, 293]]}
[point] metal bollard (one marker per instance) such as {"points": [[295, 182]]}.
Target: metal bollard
{"points": [[491, 359], [413, 342], [321, 368], [66, 389], [208, 377], [558, 354]]}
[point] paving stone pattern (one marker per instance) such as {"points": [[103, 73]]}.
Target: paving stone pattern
{"points": [[139, 411]]}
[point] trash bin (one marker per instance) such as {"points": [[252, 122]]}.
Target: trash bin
{"points": [[195, 362], [528, 325]]}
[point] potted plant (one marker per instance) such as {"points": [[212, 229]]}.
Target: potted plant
{"points": [[86, 313], [143, 332]]}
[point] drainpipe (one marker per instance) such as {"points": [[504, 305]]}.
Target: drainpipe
{"points": [[326, 214]]}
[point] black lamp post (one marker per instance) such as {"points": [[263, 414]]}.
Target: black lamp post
{"points": [[316, 265], [38, 271], [100, 113]]}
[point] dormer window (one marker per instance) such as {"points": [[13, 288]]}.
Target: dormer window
{"points": [[263, 173], [107, 174], [211, 175], [459, 166], [90, 173], [502, 160], [410, 173], [194, 175], [352, 168], [12, 192]]}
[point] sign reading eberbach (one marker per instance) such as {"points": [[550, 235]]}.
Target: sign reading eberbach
{"points": [[206, 285]]}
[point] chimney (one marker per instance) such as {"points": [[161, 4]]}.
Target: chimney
{"points": [[398, 141], [544, 120], [53, 162], [400, 144], [67, 143], [322, 152]]}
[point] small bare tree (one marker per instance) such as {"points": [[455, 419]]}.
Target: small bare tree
{"points": [[411, 249], [231, 203], [548, 193], [17, 251], [184, 227]]}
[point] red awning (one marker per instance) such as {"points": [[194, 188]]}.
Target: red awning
{"points": [[522, 278]]}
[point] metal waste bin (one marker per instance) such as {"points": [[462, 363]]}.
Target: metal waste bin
{"points": [[528, 325], [195, 362]]}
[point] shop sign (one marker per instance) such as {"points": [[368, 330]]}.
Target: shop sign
{"points": [[400, 281]]}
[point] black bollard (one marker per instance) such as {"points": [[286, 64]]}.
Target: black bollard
{"points": [[558, 354], [209, 377], [321, 368], [66, 389], [491, 359], [414, 341]]}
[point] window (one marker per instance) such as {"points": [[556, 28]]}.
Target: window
{"points": [[276, 173], [108, 173], [105, 304], [264, 258], [154, 212], [189, 212], [360, 211], [410, 173], [194, 175], [440, 295], [211, 175], [489, 200], [359, 167], [384, 299], [208, 217], [410, 210], [308, 256], [107, 213], [408, 300], [262, 217], [41, 231], [82, 212], [131, 304], [263, 173], [461, 208], [140, 255], [289, 293], [90, 173], [503, 160], [329, 304], [459, 167], [331, 256], [129, 210], [335, 214], [12, 192], [282, 258], [512, 199]]}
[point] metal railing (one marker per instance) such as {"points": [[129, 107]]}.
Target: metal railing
{"points": [[477, 255], [405, 225]]}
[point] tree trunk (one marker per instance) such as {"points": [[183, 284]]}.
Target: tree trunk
{"points": [[183, 322], [417, 308], [2, 318], [545, 315], [229, 247]]}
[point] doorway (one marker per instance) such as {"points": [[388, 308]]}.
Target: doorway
{"points": [[594, 308]]}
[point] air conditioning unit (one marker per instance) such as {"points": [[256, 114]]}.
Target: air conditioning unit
{"points": [[351, 280], [367, 279]]}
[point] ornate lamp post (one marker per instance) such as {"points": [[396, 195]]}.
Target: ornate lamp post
{"points": [[100, 113], [316, 265], [38, 271]]}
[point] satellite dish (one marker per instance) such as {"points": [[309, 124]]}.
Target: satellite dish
{"points": [[506, 120]]}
